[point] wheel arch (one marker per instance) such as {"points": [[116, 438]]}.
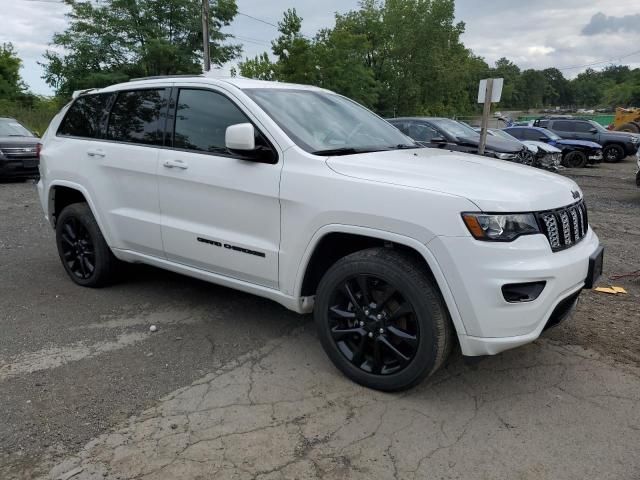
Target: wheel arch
{"points": [[333, 242], [62, 193]]}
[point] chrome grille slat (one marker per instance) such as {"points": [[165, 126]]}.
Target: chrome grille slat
{"points": [[564, 227]]}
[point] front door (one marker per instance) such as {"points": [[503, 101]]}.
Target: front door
{"points": [[219, 213]]}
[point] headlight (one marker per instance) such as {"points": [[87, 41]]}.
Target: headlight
{"points": [[635, 139], [500, 228], [505, 156]]}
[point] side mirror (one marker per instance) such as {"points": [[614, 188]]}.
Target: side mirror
{"points": [[593, 130], [240, 137], [36, 133], [543, 139]]}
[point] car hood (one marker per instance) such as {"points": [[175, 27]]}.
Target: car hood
{"points": [[9, 142], [493, 185], [494, 144], [581, 143], [542, 146]]}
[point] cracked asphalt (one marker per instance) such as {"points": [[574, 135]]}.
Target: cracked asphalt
{"points": [[233, 386]]}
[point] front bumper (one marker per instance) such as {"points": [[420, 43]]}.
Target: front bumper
{"points": [[10, 168], [476, 272], [597, 158]]}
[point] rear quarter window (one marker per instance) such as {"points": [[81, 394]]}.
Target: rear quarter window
{"points": [[86, 116]]}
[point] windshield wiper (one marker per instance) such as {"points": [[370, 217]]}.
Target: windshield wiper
{"points": [[345, 151], [403, 146]]}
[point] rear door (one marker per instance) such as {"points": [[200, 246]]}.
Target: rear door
{"points": [[220, 213], [126, 161]]}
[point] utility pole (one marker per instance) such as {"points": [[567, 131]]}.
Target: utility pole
{"points": [[485, 116], [205, 35]]}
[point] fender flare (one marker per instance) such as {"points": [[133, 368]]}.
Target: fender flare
{"points": [[384, 235], [85, 194]]}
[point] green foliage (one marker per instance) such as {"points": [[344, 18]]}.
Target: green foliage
{"points": [[114, 40], [11, 85]]}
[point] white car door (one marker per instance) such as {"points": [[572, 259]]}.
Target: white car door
{"points": [[220, 213], [127, 175]]}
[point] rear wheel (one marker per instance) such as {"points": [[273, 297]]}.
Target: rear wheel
{"points": [[83, 251], [574, 159], [381, 320], [613, 153]]}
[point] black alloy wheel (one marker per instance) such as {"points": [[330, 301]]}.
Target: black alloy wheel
{"points": [[381, 319], [84, 253], [373, 325], [575, 159], [613, 153], [78, 250]]}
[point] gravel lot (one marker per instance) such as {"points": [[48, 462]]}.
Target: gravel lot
{"points": [[85, 388]]}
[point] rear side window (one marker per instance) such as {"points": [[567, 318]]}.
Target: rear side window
{"points": [[516, 132], [542, 123], [202, 118], [564, 126], [531, 134], [86, 116], [138, 117]]}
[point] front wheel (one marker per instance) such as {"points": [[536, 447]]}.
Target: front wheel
{"points": [[83, 251], [381, 320], [613, 153], [575, 159]]}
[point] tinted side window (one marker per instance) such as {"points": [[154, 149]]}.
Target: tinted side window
{"points": [[137, 117], [542, 123], [422, 132], [86, 116], [530, 134], [582, 127], [564, 126], [516, 132], [202, 118]]}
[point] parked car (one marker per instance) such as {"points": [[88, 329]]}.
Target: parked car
{"points": [[18, 150], [638, 164], [615, 145], [575, 153], [304, 197], [543, 155], [447, 134]]}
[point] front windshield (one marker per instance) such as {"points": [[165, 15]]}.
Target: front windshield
{"points": [[11, 128], [325, 123], [453, 128]]}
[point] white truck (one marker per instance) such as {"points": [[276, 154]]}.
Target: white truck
{"points": [[303, 196]]}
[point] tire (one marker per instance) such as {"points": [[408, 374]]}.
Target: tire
{"points": [[574, 159], [406, 333], [628, 127], [84, 254], [613, 153]]}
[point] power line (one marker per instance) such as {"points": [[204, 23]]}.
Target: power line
{"points": [[610, 60], [258, 19]]}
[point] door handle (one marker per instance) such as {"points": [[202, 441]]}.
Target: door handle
{"points": [[175, 164], [96, 152]]}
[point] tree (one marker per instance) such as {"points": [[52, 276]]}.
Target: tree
{"points": [[115, 40], [11, 84]]}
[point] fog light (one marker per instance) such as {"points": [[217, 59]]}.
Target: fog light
{"points": [[522, 292]]}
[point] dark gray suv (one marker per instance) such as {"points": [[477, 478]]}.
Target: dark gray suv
{"points": [[18, 150], [615, 145]]}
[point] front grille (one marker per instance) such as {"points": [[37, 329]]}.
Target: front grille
{"points": [[19, 152], [564, 227]]}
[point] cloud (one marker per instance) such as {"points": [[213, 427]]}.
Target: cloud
{"points": [[601, 23]]}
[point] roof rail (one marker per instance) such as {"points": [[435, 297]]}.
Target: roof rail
{"points": [[77, 93], [155, 77]]}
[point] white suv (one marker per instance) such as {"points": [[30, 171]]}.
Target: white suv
{"points": [[303, 196]]}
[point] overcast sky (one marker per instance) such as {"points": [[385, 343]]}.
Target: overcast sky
{"points": [[540, 34]]}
